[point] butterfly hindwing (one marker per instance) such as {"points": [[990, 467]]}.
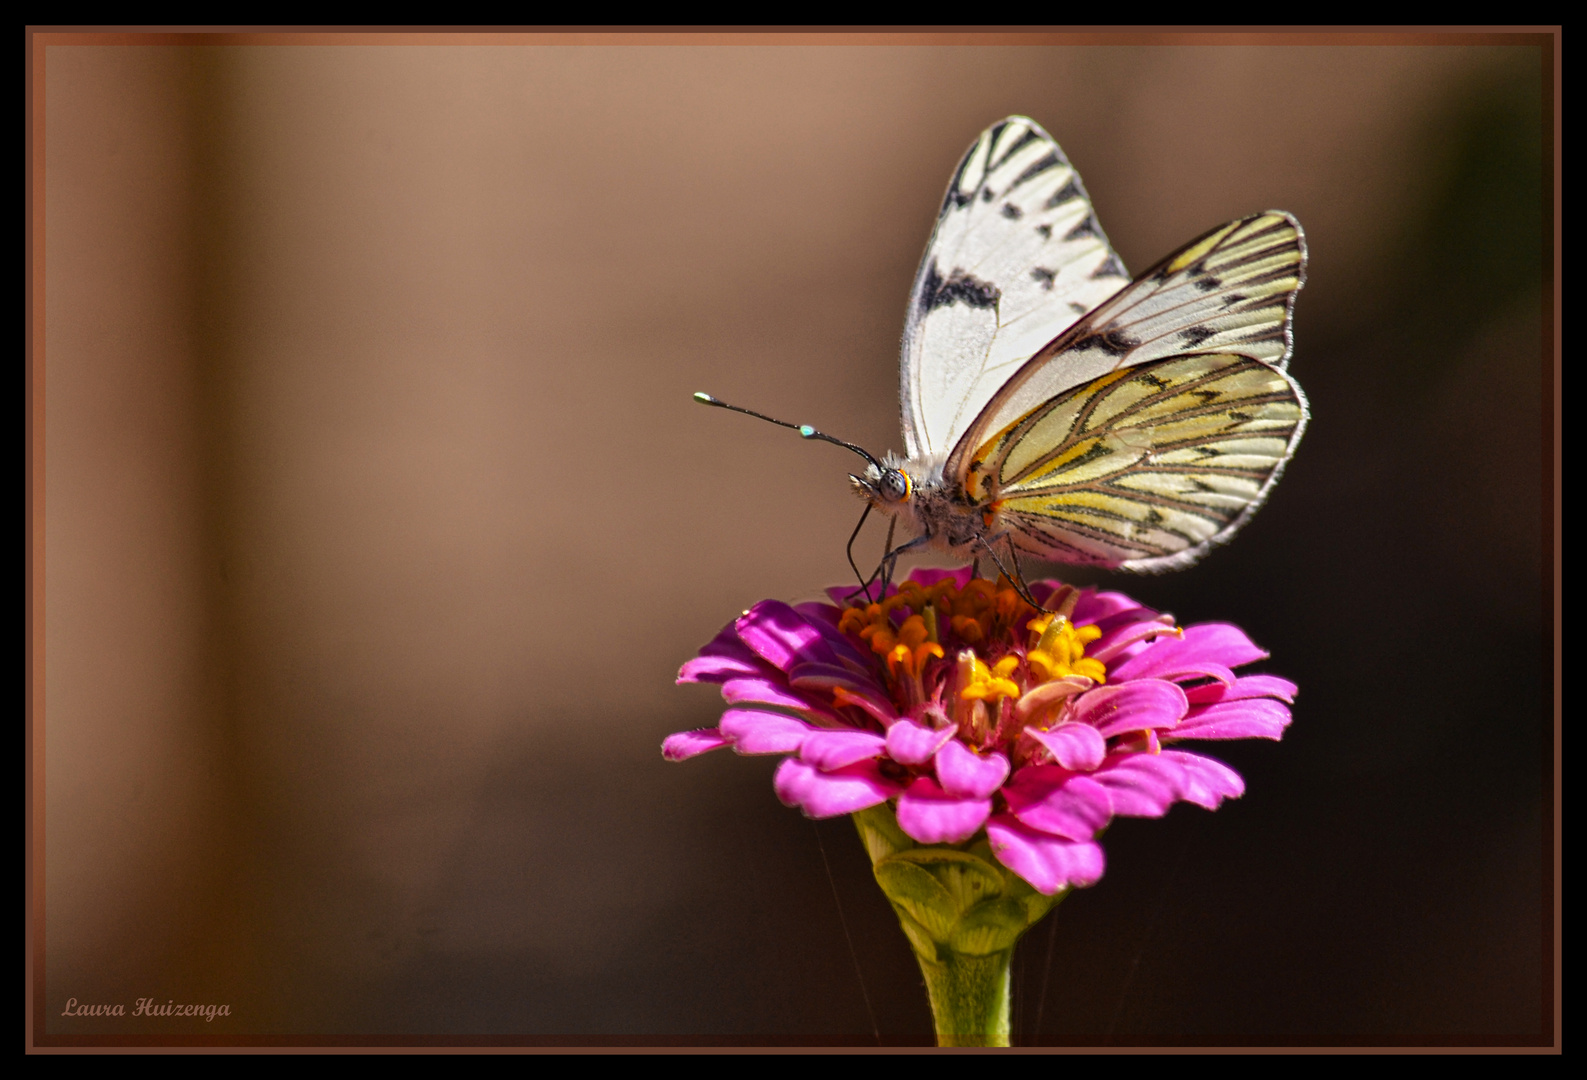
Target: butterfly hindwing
{"points": [[1229, 291], [1016, 258], [1144, 468]]}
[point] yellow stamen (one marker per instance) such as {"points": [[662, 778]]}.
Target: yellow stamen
{"points": [[1091, 669], [1044, 666], [976, 722], [980, 590], [967, 663], [922, 652], [913, 632], [1003, 688], [988, 684], [1053, 633], [968, 628], [1060, 651], [854, 619]]}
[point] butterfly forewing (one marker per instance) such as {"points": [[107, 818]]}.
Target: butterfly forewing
{"points": [[1144, 468], [1017, 256], [1230, 291]]}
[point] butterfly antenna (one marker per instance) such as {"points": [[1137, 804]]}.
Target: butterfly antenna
{"points": [[805, 430]]}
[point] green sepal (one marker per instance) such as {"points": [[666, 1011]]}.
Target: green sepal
{"points": [[880, 834], [939, 886], [918, 892], [963, 912], [989, 928], [968, 879]]}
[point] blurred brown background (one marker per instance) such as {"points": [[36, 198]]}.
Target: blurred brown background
{"points": [[378, 520]]}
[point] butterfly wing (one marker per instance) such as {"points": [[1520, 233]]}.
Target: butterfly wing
{"points": [[1144, 468], [1231, 290], [1016, 257]]}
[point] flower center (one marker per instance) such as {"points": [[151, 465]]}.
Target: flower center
{"points": [[994, 665]]}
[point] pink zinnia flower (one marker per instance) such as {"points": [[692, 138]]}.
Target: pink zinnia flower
{"points": [[973, 711]]}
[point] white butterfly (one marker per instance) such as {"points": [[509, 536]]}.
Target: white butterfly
{"points": [[1053, 406]]}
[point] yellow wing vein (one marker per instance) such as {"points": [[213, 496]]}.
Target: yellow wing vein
{"points": [[1072, 502], [1078, 430]]}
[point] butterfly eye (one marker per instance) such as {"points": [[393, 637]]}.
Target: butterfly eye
{"points": [[894, 486]]}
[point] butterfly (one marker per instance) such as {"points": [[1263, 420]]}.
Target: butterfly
{"points": [[1055, 407]]}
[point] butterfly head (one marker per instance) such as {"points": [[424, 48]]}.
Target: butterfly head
{"points": [[895, 486], [883, 487]]}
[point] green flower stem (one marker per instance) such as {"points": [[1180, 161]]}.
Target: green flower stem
{"points": [[969, 998], [962, 912]]}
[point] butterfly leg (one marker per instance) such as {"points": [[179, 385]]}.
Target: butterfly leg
{"points": [[865, 586], [1017, 578], [890, 560], [866, 583]]}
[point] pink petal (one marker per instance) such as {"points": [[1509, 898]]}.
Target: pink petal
{"points": [[1044, 591], [1047, 862], [1095, 606], [1246, 686], [686, 744], [819, 614], [1140, 785], [1050, 693], [822, 679], [780, 635], [826, 676], [1206, 781], [755, 732], [1208, 649], [722, 658], [929, 575], [1132, 706], [833, 750], [824, 617], [1055, 800], [932, 816], [967, 775], [828, 794], [764, 691], [1258, 718], [715, 669], [1080, 747], [845, 596], [909, 743], [880, 709], [1201, 669], [1113, 642], [1128, 617], [1146, 785]]}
